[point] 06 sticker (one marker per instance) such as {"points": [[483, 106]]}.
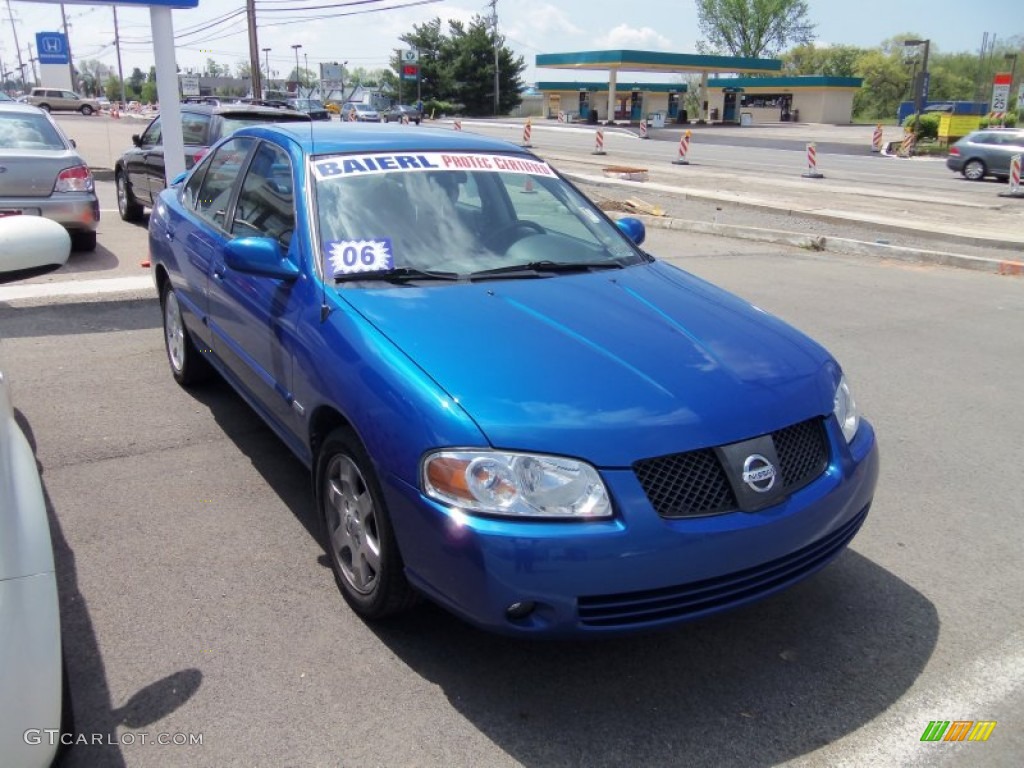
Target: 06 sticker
{"points": [[347, 257]]}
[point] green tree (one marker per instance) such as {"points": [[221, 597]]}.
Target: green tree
{"points": [[752, 28], [458, 67], [135, 81], [832, 61], [112, 88], [148, 95]]}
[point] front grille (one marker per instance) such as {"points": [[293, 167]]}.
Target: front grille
{"points": [[699, 597], [694, 483]]}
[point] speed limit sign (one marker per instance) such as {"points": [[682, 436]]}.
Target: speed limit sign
{"points": [[410, 56]]}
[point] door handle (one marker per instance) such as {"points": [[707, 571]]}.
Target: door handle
{"points": [[169, 234], [218, 272]]}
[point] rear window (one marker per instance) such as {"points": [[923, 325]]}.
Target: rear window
{"points": [[231, 123], [18, 131]]}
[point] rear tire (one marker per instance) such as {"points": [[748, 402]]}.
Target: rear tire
{"points": [[83, 241], [127, 206], [974, 170], [357, 532], [188, 366], [44, 107]]}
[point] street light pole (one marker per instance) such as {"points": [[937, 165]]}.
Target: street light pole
{"points": [[296, 49], [266, 56]]}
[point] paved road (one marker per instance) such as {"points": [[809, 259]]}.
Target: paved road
{"points": [[197, 601]]}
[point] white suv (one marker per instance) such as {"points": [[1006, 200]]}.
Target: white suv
{"points": [[56, 100]]}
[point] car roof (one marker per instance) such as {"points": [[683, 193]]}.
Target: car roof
{"points": [[334, 138], [20, 106]]}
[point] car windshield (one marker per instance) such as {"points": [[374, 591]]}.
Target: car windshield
{"points": [[469, 216], [26, 131]]}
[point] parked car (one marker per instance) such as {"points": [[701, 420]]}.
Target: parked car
{"points": [[505, 403], [43, 174], [139, 174], [396, 112], [34, 704], [312, 107], [57, 100], [986, 153], [357, 111]]}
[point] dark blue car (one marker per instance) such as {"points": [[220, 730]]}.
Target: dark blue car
{"points": [[506, 405]]}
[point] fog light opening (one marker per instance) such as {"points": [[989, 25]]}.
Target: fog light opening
{"points": [[520, 610]]}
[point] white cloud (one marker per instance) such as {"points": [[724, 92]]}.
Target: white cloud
{"points": [[625, 36], [548, 19]]}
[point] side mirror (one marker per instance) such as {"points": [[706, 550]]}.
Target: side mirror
{"points": [[179, 178], [136, 140], [32, 242], [632, 228], [259, 256], [73, 144]]}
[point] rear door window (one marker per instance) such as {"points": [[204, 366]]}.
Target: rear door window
{"points": [[222, 170]]}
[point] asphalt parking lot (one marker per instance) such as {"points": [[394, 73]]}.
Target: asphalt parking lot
{"points": [[197, 601], [198, 605]]}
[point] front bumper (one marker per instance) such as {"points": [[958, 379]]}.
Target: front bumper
{"points": [[75, 211], [637, 570]]}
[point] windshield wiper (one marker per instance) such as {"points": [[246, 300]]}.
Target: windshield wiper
{"points": [[397, 275], [541, 268]]}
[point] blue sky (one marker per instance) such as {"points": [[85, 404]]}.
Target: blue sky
{"points": [[530, 26]]}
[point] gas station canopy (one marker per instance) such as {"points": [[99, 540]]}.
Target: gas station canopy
{"points": [[653, 61]]}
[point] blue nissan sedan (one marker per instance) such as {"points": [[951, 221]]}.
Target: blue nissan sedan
{"points": [[505, 404]]}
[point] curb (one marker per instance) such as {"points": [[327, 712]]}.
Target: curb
{"points": [[884, 226], [834, 244]]}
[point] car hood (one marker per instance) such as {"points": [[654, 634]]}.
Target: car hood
{"points": [[608, 366]]}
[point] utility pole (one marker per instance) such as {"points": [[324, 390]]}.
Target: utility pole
{"points": [[254, 50], [21, 64], [266, 53], [295, 48], [120, 70], [497, 86], [67, 39], [32, 60]]}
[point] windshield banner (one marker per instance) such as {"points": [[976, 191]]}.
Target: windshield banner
{"points": [[339, 166]]}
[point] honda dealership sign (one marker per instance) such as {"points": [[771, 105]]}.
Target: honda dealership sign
{"points": [[52, 47]]}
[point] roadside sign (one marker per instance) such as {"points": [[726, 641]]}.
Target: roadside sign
{"points": [[957, 126], [189, 85], [410, 72], [409, 55], [1001, 92], [52, 47]]}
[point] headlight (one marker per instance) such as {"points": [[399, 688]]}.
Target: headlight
{"points": [[845, 410], [516, 484]]}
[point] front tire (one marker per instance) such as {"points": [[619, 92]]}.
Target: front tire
{"points": [[974, 170], [357, 531], [188, 366], [86, 110], [127, 206], [44, 107]]}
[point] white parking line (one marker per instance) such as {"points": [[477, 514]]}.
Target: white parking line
{"points": [[894, 738]]}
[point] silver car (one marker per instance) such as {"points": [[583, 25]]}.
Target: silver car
{"points": [[41, 174], [34, 700], [986, 153]]}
